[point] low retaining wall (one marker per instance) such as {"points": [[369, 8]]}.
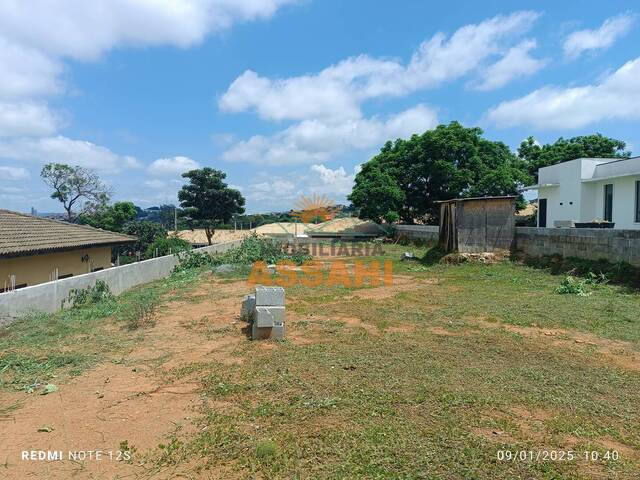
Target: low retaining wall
{"points": [[588, 243], [48, 297], [418, 232]]}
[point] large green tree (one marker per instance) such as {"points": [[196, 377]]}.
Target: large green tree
{"points": [[207, 201], [536, 156], [146, 231], [110, 217], [73, 185], [447, 162], [377, 193]]}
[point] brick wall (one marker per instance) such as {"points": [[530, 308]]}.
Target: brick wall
{"points": [[587, 243], [418, 232]]}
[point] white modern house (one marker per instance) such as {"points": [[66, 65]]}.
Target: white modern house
{"points": [[590, 189]]}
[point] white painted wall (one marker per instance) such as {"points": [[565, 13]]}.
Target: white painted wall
{"points": [[583, 201], [563, 201], [624, 201]]}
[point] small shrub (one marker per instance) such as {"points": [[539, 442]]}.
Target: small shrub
{"points": [[192, 260], [596, 279], [572, 286], [255, 248], [141, 312], [90, 295], [166, 245]]}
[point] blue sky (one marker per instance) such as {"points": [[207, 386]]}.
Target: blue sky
{"points": [[289, 97]]}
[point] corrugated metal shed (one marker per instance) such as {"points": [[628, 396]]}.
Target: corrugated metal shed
{"points": [[477, 225]]}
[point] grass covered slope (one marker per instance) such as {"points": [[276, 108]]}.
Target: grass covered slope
{"points": [[431, 377]]}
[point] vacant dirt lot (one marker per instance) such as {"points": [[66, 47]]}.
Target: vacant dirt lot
{"points": [[430, 378]]}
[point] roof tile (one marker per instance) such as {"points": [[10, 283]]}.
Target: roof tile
{"points": [[22, 234]]}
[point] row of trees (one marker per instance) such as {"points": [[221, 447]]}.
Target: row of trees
{"points": [[206, 202], [403, 182], [406, 179]]}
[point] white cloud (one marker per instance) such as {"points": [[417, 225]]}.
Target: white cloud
{"points": [[13, 173], [172, 166], [314, 141], [600, 38], [283, 192], [155, 184], [331, 181], [85, 30], [27, 71], [616, 97], [515, 63], [335, 94], [26, 119], [65, 150], [37, 36]]}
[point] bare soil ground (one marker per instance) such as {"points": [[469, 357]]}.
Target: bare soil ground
{"points": [[136, 400]]}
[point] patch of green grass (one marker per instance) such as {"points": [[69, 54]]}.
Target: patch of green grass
{"points": [[372, 404]]}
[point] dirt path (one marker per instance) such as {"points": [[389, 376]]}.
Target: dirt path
{"points": [[135, 401]]}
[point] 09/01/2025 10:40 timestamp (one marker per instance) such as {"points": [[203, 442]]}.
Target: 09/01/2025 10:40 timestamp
{"points": [[557, 455]]}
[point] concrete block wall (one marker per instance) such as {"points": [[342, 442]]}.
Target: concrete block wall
{"points": [[48, 297], [418, 232], [588, 243]]}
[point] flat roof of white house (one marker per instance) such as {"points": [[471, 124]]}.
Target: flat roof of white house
{"points": [[606, 168], [622, 167]]}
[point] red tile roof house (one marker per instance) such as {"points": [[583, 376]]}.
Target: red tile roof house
{"points": [[35, 250]]}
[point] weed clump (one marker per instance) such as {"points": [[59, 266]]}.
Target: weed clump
{"points": [[141, 312], [266, 450], [253, 248], [572, 286], [90, 295], [613, 272]]}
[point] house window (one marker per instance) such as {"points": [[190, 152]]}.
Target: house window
{"points": [[608, 202], [638, 201]]}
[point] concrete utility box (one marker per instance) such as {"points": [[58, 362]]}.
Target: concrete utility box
{"points": [[269, 296], [477, 225], [266, 312]]}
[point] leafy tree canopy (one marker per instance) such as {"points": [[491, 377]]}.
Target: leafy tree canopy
{"points": [[378, 193], [72, 185], [207, 201], [147, 232], [165, 246], [536, 156], [110, 217], [408, 177]]}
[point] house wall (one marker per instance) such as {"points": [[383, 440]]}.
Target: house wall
{"points": [[35, 269], [624, 201], [582, 201], [49, 297], [563, 201]]}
